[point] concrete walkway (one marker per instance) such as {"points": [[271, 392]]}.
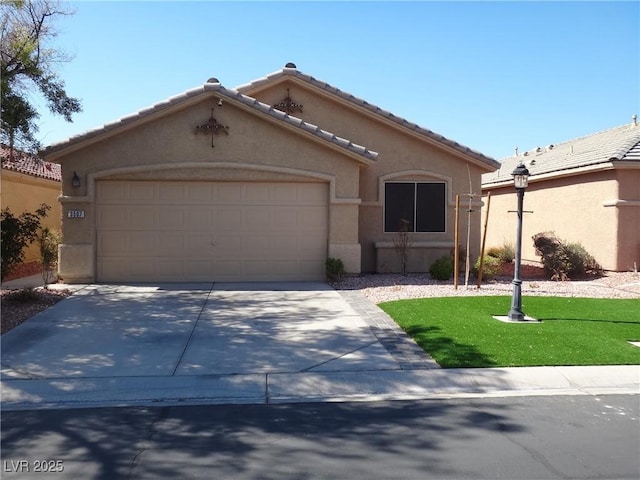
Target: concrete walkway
{"points": [[185, 344]]}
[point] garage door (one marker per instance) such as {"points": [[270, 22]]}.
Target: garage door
{"points": [[204, 231]]}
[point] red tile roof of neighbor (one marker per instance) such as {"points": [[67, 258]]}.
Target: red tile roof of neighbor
{"points": [[29, 164]]}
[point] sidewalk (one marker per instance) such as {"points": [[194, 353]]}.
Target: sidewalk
{"points": [[309, 387]]}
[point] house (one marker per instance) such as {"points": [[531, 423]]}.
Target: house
{"points": [[27, 182], [586, 190], [261, 182]]}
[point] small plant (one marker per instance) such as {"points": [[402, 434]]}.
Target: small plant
{"points": [[401, 243], [506, 253], [491, 266], [334, 269], [442, 268], [49, 241]]}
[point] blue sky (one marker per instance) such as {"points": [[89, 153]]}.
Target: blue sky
{"points": [[490, 75]]}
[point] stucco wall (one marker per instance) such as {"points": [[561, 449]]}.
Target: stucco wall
{"points": [[166, 148], [25, 193], [402, 156], [575, 208], [627, 206]]}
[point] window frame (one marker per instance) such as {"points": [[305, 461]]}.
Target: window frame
{"points": [[416, 204]]}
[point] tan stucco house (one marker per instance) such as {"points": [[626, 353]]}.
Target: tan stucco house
{"points": [[27, 182], [261, 182], [586, 190]]}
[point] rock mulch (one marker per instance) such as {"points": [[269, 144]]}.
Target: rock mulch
{"points": [[20, 305], [387, 287]]}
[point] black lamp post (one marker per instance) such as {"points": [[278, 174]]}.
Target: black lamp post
{"points": [[520, 181]]}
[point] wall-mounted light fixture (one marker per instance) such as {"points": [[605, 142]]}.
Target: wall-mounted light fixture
{"points": [[75, 181]]}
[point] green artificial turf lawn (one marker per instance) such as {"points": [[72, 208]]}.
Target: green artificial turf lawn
{"points": [[459, 331]]}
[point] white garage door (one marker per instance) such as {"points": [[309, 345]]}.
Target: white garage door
{"points": [[204, 231]]}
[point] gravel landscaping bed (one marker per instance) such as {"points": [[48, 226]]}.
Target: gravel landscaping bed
{"points": [[387, 287], [20, 305]]}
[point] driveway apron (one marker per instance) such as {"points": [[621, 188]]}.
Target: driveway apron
{"points": [[169, 330]]}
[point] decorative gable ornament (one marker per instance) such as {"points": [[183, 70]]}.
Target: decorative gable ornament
{"points": [[212, 127], [288, 106]]}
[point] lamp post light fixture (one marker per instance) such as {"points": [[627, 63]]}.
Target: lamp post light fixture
{"points": [[520, 181]]}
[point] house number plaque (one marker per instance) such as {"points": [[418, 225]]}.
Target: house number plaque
{"points": [[75, 214]]}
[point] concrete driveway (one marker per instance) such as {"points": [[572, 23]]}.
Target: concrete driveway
{"points": [[116, 337]]}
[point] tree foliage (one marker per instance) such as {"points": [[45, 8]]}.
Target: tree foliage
{"points": [[27, 65], [17, 233]]}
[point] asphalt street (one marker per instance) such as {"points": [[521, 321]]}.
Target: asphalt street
{"points": [[555, 437]]}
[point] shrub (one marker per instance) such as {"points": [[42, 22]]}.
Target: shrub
{"points": [[562, 260], [506, 253], [442, 268], [581, 261], [334, 269], [17, 233], [49, 240], [491, 267]]}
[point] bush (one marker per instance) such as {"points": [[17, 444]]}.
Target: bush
{"points": [[17, 233], [491, 267], [581, 261], [334, 269], [442, 268], [563, 260], [49, 241], [506, 253]]}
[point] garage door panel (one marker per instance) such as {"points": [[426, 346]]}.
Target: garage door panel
{"points": [[138, 192], [171, 244], [111, 243], [111, 216], [141, 243], [109, 192], [140, 216], [172, 191], [201, 216], [208, 231], [228, 218]]}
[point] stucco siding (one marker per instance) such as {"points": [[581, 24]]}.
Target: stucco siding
{"points": [[574, 210], [402, 155], [627, 207], [25, 193]]}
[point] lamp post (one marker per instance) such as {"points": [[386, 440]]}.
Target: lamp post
{"points": [[520, 181]]}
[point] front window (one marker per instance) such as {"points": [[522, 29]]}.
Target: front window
{"points": [[421, 206]]}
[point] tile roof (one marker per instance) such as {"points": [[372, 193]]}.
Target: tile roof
{"points": [[291, 71], [29, 165], [214, 86], [619, 144]]}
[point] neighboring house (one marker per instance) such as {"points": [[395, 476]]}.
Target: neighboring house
{"points": [[261, 182], [586, 190], [27, 182]]}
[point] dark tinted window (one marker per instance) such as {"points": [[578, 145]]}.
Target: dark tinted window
{"points": [[421, 205]]}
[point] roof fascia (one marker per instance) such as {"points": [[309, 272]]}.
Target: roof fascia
{"points": [[600, 167], [193, 97]]}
